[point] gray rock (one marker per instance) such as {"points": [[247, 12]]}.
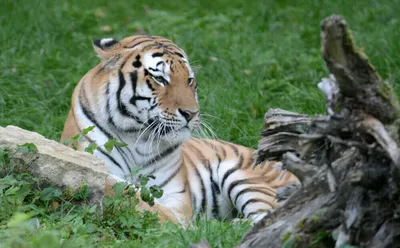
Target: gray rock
{"points": [[58, 165]]}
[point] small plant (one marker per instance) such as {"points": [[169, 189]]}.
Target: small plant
{"points": [[109, 145], [80, 137]]}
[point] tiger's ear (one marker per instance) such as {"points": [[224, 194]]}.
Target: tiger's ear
{"points": [[107, 48]]}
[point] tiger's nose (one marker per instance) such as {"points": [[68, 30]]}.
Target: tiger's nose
{"points": [[187, 114]]}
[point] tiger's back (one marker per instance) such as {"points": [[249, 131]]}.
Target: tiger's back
{"points": [[144, 93]]}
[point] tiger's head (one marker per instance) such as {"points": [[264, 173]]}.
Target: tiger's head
{"points": [[150, 86]]}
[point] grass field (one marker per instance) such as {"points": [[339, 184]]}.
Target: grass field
{"points": [[249, 56]]}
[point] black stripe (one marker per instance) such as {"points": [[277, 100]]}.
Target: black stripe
{"points": [[149, 85], [219, 162], [235, 212], [151, 45], [240, 182], [214, 146], [230, 171], [168, 46], [89, 114], [202, 188], [179, 54], [234, 148], [139, 37], [110, 119], [133, 76], [199, 154], [214, 186], [141, 153], [164, 40], [140, 42], [254, 200], [122, 83], [194, 202], [157, 55], [215, 191], [170, 177], [203, 191], [153, 106], [123, 157], [121, 107], [163, 165], [165, 153], [120, 149], [110, 43], [223, 151], [139, 98], [123, 63], [233, 185], [223, 144], [247, 190]]}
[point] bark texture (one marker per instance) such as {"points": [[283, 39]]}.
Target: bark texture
{"points": [[347, 160]]}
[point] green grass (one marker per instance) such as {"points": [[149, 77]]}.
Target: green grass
{"points": [[267, 56]]}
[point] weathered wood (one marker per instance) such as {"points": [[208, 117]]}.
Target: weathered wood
{"points": [[348, 160], [281, 133], [357, 79]]}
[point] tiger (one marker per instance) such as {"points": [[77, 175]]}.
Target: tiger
{"points": [[144, 93]]}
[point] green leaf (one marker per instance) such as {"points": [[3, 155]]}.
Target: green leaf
{"points": [[109, 145], [145, 194], [18, 219], [81, 139], [120, 144], [49, 194], [144, 179], [82, 193], [119, 188], [4, 156], [67, 141], [22, 193], [76, 136], [132, 191], [88, 129], [27, 147], [134, 171], [89, 228], [156, 191], [93, 209], [91, 147], [151, 201], [12, 190]]}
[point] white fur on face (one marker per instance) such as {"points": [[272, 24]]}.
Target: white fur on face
{"points": [[157, 67]]}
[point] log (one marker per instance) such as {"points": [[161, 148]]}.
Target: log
{"points": [[347, 160]]}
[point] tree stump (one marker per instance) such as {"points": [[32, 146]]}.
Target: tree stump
{"points": [[347, 160]]}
